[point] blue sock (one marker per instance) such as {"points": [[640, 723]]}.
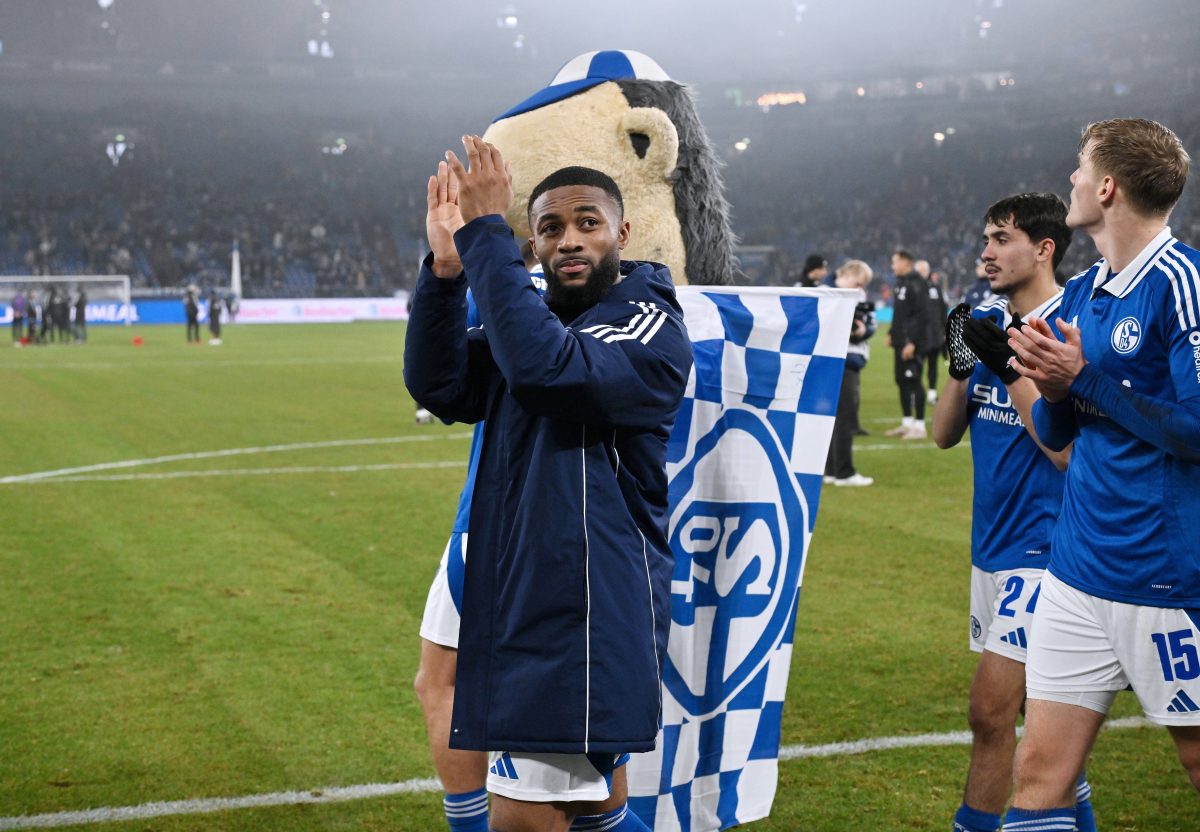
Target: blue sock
{"points": [[1085, 817], [618, 820], [967, 819], [468, 811], [1039, 820]]}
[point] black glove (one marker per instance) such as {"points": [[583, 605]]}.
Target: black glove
{"points": [[990, 343], [962, 360]]}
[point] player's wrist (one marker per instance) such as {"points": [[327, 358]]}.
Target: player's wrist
{"points": [[446, 268]]}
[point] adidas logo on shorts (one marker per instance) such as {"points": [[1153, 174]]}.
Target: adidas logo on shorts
{"points": [[503, 767], [1182, 704]]}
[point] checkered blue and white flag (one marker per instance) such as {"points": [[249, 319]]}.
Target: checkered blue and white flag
{"points": [[745, 465]]}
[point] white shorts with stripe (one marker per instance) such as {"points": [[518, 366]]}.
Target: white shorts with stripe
{"points": [[441, 619], [1085, 649], [547, 778], [1002, 605]]}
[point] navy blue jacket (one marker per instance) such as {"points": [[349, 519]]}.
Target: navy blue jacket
{"points": [[566, 600]]}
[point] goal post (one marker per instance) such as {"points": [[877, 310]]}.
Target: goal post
{"points": [[106, 287]]}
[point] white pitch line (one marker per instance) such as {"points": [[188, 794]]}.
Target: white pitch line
{"points": [[265, 449], [908, 446], [341, 794], [251, 472], [838, 749], [198, 363]]}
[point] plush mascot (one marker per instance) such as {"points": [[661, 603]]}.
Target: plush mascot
{"points": [[619, 112]]}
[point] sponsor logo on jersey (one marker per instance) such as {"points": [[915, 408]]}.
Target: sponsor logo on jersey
{"points": [[1084, 406], [1194, 340], [1126, 336], [737, 565], [995, 405]]}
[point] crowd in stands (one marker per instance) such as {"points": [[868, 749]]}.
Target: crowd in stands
{"points": [[169, 210], [315, 218]]}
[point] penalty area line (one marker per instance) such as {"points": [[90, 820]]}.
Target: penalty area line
{"points": [[343, 794]]}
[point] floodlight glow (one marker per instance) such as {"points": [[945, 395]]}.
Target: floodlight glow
{"points": [[861, 91], [781, 99], [104, 4], [939, 136]]}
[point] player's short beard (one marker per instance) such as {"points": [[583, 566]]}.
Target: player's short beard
{"points": [[569, 302]]}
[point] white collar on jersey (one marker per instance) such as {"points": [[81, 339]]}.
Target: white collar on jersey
{"points": [[1041, 311], [1131, 275], [1046, 307]]}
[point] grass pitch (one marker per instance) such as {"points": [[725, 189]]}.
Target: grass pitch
{"points": [[224, 625]]}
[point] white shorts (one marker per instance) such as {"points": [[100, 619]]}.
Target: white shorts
{"points": [[546, 778], [443, 605], [1085, 649], [1002, 605]]}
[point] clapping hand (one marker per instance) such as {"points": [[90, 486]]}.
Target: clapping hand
{"points": [[1051, 364], [485, 187], [442, 219]]}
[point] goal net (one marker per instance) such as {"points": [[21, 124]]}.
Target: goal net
{"points": [[112, 291]]}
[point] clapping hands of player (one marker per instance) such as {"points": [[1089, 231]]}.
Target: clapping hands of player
{"points": [[1051, 364], [457, 194], [442, 219], [485, 185]]}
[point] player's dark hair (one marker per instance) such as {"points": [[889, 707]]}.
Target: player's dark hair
{"points": [[905, 254], [578, 175], [1043, 216]]}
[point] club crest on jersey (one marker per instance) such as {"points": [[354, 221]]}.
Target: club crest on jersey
{"points": [[1126, 336], [739, 551]]}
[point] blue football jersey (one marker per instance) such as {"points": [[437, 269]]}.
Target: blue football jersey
{"points": [[462, 517], [1018, 490], [1130, 527]]}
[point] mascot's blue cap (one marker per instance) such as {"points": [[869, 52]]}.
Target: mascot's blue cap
{"points": [[589, 70]]}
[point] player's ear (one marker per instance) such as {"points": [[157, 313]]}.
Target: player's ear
{"points": [[1108, 189], [623, 234], [1045, 250]]}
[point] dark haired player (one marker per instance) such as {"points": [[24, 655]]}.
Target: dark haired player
{"points": [[1018, 486], [566, 595], [1120, 602]]}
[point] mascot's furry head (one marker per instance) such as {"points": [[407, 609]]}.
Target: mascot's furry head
{"points": [[619, 112]]}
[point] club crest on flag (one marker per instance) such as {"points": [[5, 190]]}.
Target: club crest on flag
{"points": [[739, 555], [744, 464]]}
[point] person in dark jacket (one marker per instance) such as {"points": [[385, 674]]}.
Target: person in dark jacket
{"points": [[191, 309], [935, 333], [839, 465], [80, 323], [566, 596], [214, 318], [910, 316]]}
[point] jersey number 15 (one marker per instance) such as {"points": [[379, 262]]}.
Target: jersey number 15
{"points": [[1174, 646]]}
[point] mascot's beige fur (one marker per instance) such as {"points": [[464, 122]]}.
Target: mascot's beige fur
{"points": [[645, 135]]}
